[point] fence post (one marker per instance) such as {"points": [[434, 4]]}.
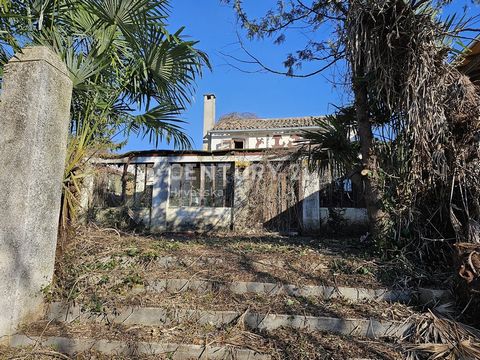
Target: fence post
{"points": [[34, 120]]}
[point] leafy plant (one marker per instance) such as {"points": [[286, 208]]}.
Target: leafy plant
{"points": [[130, 74], [335, 141], [117, 52], [80, 148], [133, 279], [132, 252]]}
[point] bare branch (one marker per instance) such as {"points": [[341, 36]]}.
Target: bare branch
{"points": [[257, 61]]}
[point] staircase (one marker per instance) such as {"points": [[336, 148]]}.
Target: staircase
{"points": [[127, 296]]}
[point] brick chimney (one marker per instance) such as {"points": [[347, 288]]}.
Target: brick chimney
{"points": [[208, 118]]}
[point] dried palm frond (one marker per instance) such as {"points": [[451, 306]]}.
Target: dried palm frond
{"points": [[400, 49], [433, 337]]}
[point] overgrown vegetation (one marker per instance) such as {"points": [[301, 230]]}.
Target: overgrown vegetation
{"points": [[415, 115], [100, 267], [105, 270], [120, 56]]}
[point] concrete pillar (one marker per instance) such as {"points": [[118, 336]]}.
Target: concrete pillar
{"points": [[241, 216], [34, 120], [86, 198], [311, 199], [161, 186]]}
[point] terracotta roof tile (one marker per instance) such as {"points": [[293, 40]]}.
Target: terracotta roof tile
{"points": [[259, 124]]}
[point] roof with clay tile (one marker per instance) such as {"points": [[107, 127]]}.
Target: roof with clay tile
{"points": [[236, 123]]}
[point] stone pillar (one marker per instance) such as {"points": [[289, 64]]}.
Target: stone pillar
{"points": [[311, 200], [161, 186], [34, 120], [240, 210]]}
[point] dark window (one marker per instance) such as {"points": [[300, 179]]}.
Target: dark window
{"points": [[124, 185], [238, 144], [199, 184], [142, 195], [185, 185], [339, 188], [342, 192]]}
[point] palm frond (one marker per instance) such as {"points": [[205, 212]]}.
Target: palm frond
{"points": [[126, 12], [442, 338], [161, 123], [164, 67], [334, 141]]}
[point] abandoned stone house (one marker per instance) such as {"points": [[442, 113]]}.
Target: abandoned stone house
{"points": [[243, 179]]}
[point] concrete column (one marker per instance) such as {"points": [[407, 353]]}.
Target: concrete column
{"points": [[161, 187], [34, 120], [311, 200], [240, 210], [208, 119]]}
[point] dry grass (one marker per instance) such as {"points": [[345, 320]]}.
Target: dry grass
{"points": [[103, 269], [45, 353], [280, 344], [100, 268], [442, 338]]}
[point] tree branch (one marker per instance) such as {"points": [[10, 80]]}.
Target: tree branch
{"points": [[321, 13], [285, 73]]}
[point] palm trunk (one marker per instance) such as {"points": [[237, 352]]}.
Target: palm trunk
{"points": [[373, 190]]}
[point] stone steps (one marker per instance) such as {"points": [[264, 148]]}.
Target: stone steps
{"points": [[208, 306], [159, 350], [222, 299], [90, 340], [218, 271], [253, 321], [422, 295], [203, 334], [158, 316]]}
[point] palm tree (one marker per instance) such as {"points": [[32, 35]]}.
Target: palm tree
{"points": [[129, 73]]}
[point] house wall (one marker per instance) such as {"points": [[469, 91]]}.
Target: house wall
{"points": [[354, 216], [164, 217], [261, 140], [199, 218], [112, 216], [347, 219]]}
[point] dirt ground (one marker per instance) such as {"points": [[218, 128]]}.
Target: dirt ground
{"points": [[272, 258]]}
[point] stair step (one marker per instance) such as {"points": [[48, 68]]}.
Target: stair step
{"points": [[102, 300], [249, 270], [231, 266], [280, 344], [159, 316], [114, 347], [323, 292]]}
